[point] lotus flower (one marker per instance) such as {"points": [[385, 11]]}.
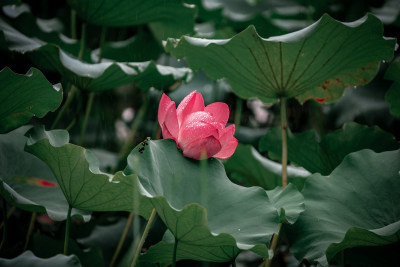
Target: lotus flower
{"points": [[199, 131]]}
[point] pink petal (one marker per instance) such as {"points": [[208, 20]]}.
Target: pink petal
{"points": [[196, 130], [204, 148], [201, 116], [227, 135], [167, 118], [191, 103], [220, 112], [228, 150]]}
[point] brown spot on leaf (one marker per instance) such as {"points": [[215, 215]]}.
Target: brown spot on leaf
{"points": [[332, 82]]}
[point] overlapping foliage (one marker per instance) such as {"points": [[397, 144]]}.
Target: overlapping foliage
{"points": [[80, 86]]}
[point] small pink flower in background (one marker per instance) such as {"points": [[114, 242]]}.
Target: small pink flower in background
{"points": [[199, 131]]}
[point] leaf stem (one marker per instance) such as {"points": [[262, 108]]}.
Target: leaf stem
{"points": [[284, 141], [175, 252], [70, 97], [274, 243], [73, 23], [86, 118], [67, 229], [73, 88], [30, 230], [135, 125], [102, 39], [83, 41], [122, 239], [144, 236], [275, 238], [9, 213], [238, 113], [91, 95]]}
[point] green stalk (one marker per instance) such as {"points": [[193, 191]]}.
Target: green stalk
{"points": [[144, 236], [91, 95], [70, 97], [9, 213], [83, 41], [135, 125], [67, 229], [30, 230], [274, 243], [284, 141], [284, 127], [102, 39], [86, 118], [122, 239], [73, 23], [73, 88], [238, 113], [175, 252]]}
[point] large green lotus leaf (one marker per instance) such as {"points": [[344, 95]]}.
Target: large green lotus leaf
{"points": [[316, 62], [29, 259], [211, 217], [25, 96], [249, 168], [27, 183], [93, 77], [393, 94], [325, 155], [356, 206], [77, 171], [47, 30], [176, 14]]}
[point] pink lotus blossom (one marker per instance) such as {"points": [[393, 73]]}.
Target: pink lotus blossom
{"points": [[199, 131]]}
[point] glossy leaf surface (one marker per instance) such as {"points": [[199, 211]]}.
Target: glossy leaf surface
{"points": [[317, 62], [25, 96], [77, 172], [211, 217], [364, 213], [325, 155]]}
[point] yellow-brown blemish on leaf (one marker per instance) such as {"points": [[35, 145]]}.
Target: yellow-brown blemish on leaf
{"points": [[332, 82]]}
